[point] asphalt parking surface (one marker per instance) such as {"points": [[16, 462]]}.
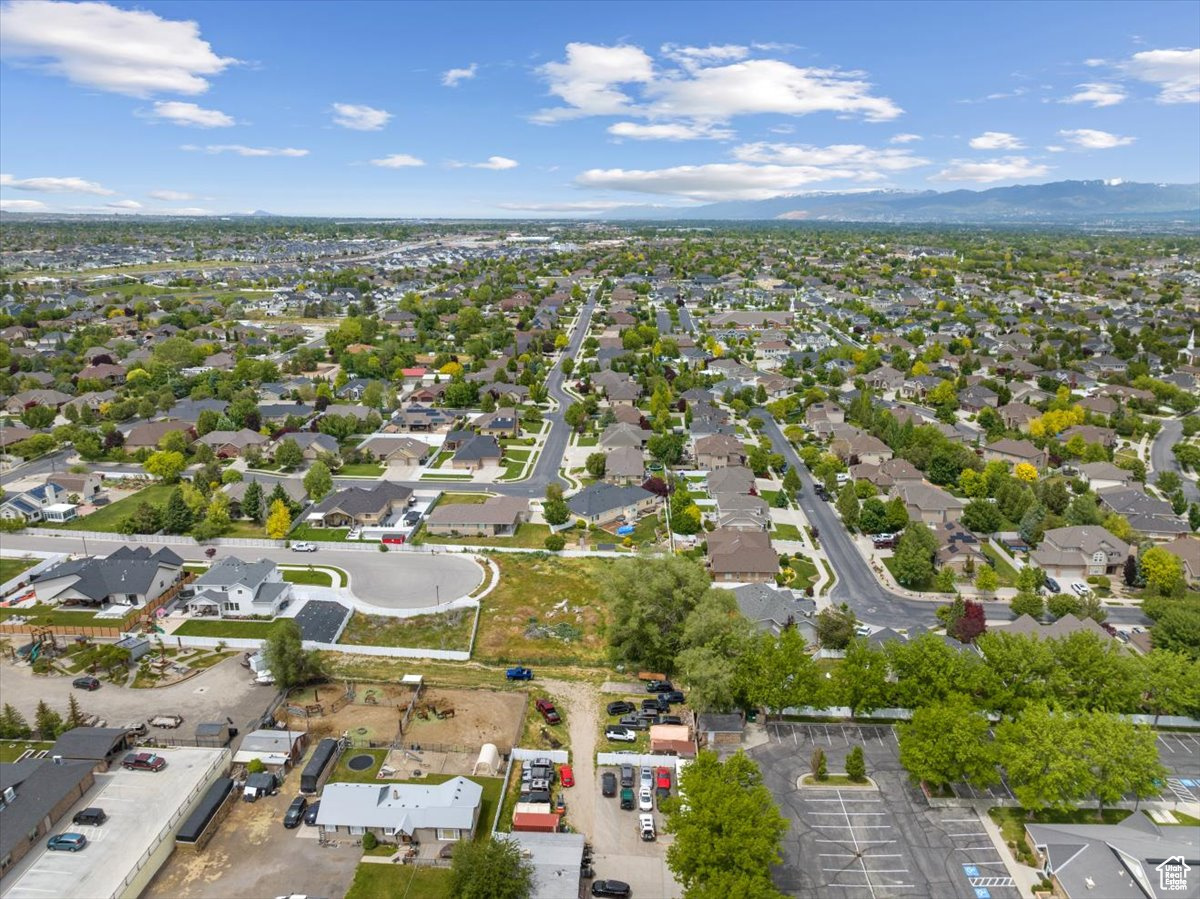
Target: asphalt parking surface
{"points": [[620, 854], [1180, 753], [858, 843]]}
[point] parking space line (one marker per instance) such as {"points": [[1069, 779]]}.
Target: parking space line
{"points": [[977, 834], [795, 742], [1165, 743]]}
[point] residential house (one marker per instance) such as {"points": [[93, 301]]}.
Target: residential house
{"points": [[927, 503], [1015, 452], [605, 504], [375, 506], [741, 556], [128, 576], [479, 451], [235, 589], [822, 413], [232, 444], [1079, 552], [311, 443], [46, 502], [27, 399], [501, 423], [1146, 514], [428, 814], [1018, 415], [624, 434], [1102, 475], [623, 393], [884, 379], [1105, 437], [887, 474], [625, 465], [149, 434], [401, 450], [732, 479], [958, 548], [861, 448], [1187, 549], [498, 516], [976, 398], [85, 486], [740, 511], [719, 451], [1027, 626], [772, 610]]}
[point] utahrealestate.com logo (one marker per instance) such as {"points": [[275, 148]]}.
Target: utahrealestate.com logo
{"points": [[1173, 874]]}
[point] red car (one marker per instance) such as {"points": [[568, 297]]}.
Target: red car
{"points": [[566, 776], [144, 761], [662, 782]]}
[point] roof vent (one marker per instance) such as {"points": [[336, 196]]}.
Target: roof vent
{"points": [[1089, 883]]}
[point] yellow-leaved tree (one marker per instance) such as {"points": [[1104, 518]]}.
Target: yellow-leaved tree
{"points": [[279, 521], [1025, 472]]}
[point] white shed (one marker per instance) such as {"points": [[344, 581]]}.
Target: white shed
{"points": [[489, 758]]}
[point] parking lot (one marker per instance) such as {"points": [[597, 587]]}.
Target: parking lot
{"points": [[871, 843], [1180, 753], [620, 853]]}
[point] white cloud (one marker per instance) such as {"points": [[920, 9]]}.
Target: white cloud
{"points": [[359, 118], [124, 204], [1097, 93], [171, 196], [996, 140], [669, 131], [701, 86], [1007, 168], [868, 162], [1090, 139], [588, 80], [398, 161], [495, 163], [451, 77], [1054, 148], [124, 51], [69, 185], [241, 150], [905, 138], [180, 113], [22, 205], [721, 181], [1176, 72], [581, 206]]}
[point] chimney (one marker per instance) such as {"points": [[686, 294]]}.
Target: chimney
{"points": [[395, 793]]}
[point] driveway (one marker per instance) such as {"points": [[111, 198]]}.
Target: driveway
{"points": [[580, 702], [220, 692]]}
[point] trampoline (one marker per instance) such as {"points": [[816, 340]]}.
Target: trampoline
{"points": [[360, 762]]}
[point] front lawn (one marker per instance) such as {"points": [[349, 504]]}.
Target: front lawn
{"points": [[463, 499], [223, 629], [309, 578], [10, 568], [518, 622], [787, 532], [246, 529], [360, 470], [448, 630], [1007, 574], [108, 519], [805, 572], [374, 881]]}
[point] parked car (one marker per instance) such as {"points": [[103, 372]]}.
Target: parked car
{"points": [[863, 630], [1052, 585], [620, 734], [144, 761], [70, 842], [608, 784], [670, 719], [304, 547], [627, 799], [137, 729], [657, 703], [645, 800], [86, 683], [519, 673], [1080, 590], [627, 775], [621, 707], [662, 782], [566, 776], [618, 889], [295, 812], [646, 828], [91, 816], [547, 710], [659, 686], [674, 696], [310, 816], [647, 777], [634, 721]]}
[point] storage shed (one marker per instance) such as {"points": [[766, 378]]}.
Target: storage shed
{"points": [[320, 764], [489, 760], [530, 822]]}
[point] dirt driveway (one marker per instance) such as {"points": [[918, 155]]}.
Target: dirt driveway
{"points": [[222, 691], [252, 856], [579, 701]]}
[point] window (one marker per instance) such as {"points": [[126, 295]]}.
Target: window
{"points": [[447, 833]]}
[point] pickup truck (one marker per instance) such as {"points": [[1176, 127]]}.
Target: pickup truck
{"points": [[519, 673]]}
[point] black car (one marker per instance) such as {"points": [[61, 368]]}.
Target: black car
{"points": [[617, 888], [295, 812], [627, 775], [621, 707], [310, 816], [656, 704], [86, 683], [633, 721], [671, 719], [93, 816], [608, 784], [659, 686], [674, 696]]}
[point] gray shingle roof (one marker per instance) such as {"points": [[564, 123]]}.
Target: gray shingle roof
{"points": [[596, 499]]}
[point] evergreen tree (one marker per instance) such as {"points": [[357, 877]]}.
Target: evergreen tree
{"points": [[49, 723], [13, 725], [856, 765], [75, 716], [252, 502], [178, 517]]}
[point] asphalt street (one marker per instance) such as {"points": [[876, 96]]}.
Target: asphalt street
{"points": [[856, 584], [1162, 459], [398, 580]]}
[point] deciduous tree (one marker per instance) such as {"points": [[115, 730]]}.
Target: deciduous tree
{"points": [[490, 869], [948, 743]]}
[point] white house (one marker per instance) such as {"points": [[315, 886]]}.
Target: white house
{"points": [[402, 812], [236, 589]]}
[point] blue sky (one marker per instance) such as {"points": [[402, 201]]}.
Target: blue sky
{"points": [[509, 109]]}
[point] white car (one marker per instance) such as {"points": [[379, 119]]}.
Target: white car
{"points": [[1081, 590], [646, 828], [645, 800], [304, 547], [863, 630]]}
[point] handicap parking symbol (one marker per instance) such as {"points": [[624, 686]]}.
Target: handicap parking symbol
{"points": [[971, 870], [982, 893]]}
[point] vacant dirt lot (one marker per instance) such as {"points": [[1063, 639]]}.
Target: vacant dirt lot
{"points": [[253, 855], [480, 716]]}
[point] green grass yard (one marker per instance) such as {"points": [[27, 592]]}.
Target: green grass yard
{"points": [[463, 499], [108, 519], [224, 629], [449, 630], [360, 470], [787, 532], [1007, 574], [528, 536], [890, 562], [306, 532], [10, 568], [11, 750], [53, 615], [374, 881]]}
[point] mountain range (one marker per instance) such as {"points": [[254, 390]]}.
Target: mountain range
{"points": [[1059, 202]]}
